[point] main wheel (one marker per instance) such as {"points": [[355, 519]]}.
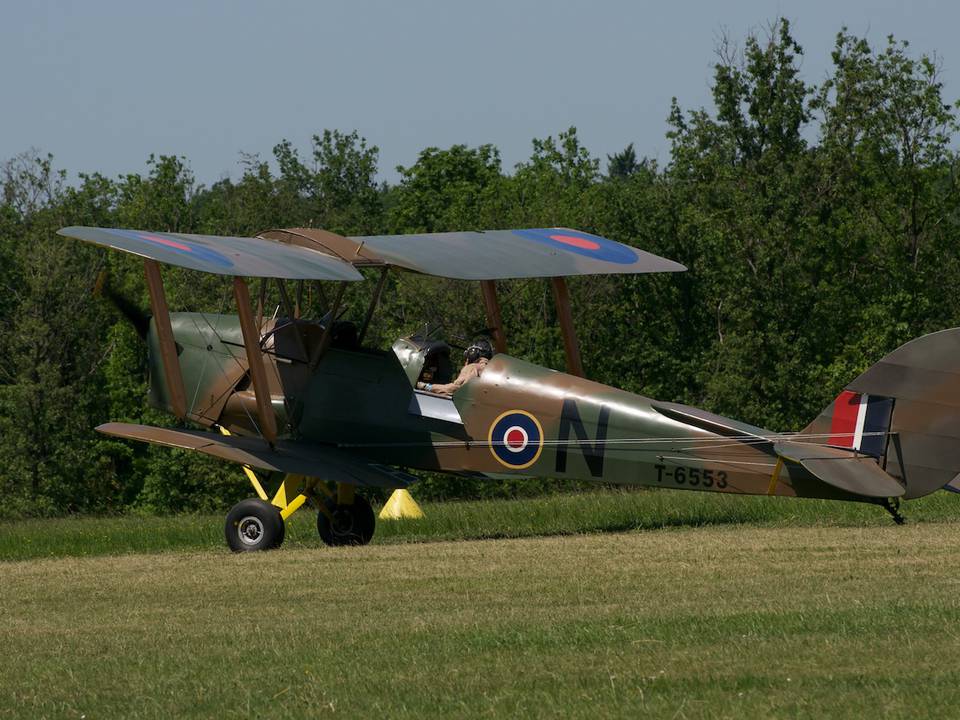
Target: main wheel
{"points": [[346, 524], [254, 525]]}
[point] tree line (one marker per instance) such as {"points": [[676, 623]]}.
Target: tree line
{"points": [[820, 224]]}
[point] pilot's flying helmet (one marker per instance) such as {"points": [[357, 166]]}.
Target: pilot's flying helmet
{"points": [[478, 349]]}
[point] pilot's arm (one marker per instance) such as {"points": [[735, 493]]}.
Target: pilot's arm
{"points": [[468, 372]]}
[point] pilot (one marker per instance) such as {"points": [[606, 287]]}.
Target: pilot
{"points": [[476, 357]]}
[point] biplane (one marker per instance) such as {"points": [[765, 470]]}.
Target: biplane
{"points": [[326, 416]]}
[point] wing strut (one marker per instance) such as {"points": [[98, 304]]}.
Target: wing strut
{"points": [[258, 374], [328, 328], [373, 304], [571, 348], [494, 318], [168, 346]]}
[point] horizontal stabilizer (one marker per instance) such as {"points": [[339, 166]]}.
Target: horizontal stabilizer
{"points": [[242, 256], [287, 457], [842, 469]]}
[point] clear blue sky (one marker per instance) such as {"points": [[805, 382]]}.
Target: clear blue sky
{"points": [[101, 85]]}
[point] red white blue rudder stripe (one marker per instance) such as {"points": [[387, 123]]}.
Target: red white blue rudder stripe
{"points": [[861, 422]]}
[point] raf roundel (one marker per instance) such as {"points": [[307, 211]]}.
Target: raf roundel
{"points": [[516, 439], [181, 245], [581, 243]]}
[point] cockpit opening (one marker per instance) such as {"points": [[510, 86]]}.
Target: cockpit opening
{"points": [[425, 361], [429, 368]]}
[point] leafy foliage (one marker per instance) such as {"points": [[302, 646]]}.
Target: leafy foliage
{"points": [[820, 224]]}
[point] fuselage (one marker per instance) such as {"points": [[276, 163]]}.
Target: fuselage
{"points": [[517, 418]]}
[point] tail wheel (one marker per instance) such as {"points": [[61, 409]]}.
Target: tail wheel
{"points": [[346, 524], [254, 525]]}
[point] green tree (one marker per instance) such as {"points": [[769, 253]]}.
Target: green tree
{"points": [[460, 188], [548, 189], [739, 182], [345, 182], [623, 164], [888, 197], [819, 225], [50, 371]]}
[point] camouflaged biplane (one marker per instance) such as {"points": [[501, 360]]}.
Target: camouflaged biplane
{"points": [[307, 401]]}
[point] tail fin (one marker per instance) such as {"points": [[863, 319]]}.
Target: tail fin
{"points": [[905, 411]]}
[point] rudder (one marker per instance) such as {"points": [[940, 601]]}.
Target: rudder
{"points": [[904, 410]]}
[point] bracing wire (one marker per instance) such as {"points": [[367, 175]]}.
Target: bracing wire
{"points": [[706, 443], [653, 445]]}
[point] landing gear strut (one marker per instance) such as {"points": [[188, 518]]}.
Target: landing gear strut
{"points": [[892, 506]]}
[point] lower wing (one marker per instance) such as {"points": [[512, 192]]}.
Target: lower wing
{"points": [[286, 456]]}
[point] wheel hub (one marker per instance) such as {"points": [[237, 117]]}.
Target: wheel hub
{"points": [[250, 530], [342, 521]]}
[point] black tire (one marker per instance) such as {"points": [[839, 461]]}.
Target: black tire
{"points": [[346, 524], [254, 525]]}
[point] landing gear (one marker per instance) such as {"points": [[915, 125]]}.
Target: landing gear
{"points": [[892, 506], [346, 523], [254, 525], [345, 518]]}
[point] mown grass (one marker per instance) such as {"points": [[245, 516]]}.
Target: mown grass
{"points": [[601, 511], [792, 618]]}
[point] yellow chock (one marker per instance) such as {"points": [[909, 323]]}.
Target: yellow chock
{"points": [[401, 506]]}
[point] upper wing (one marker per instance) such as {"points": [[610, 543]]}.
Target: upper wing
{"points": [[504, 254], [248, 257], [287, 457], [312, 254]]}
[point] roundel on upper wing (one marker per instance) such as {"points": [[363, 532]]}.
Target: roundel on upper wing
{"points": [[181, 245], [516, 439], [581, 243]]}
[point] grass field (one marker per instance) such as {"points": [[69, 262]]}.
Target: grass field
{"points": [[602, 511], [605, 605]]}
